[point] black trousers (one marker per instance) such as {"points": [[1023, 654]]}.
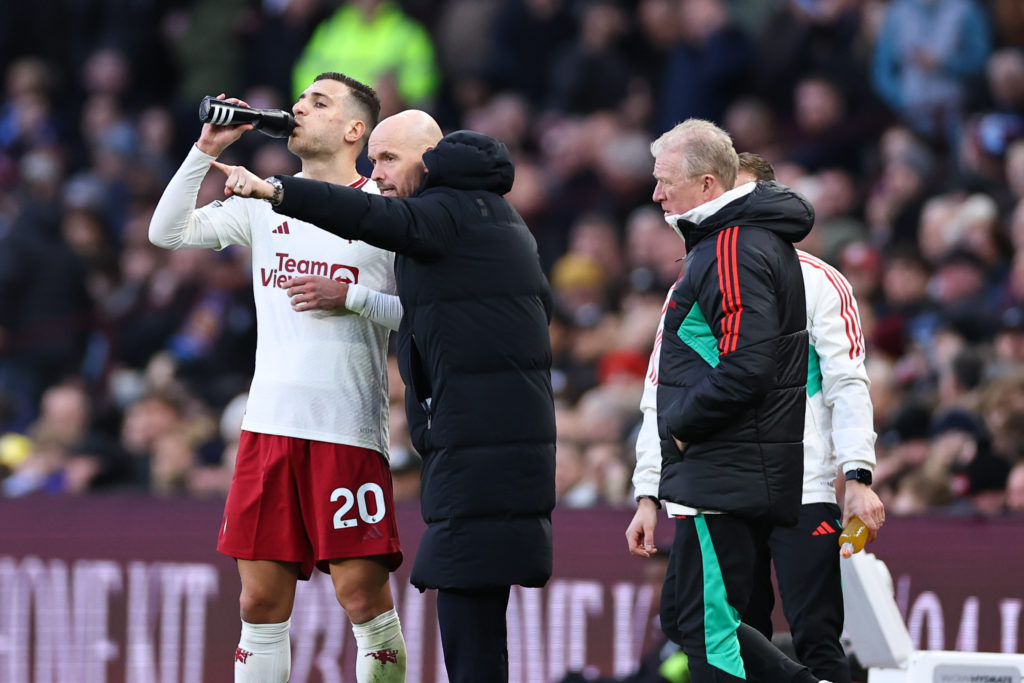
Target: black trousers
{"points": [[474, 635], [707, 587], [807, 568]]}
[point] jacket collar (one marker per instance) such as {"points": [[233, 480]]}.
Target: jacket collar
{"points": [[698, 214]]}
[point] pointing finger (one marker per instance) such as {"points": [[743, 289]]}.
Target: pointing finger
{"points": [[223, 168]]}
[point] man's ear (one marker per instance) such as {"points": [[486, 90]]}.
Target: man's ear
{"points": [[356, 130], [423, 164]]}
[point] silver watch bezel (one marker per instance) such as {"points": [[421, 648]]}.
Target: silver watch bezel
{"points": [[275, 199]]}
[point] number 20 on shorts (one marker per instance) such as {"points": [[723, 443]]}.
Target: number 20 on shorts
{"points": [[349, 499]]}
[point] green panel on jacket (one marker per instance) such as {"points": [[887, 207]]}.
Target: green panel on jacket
{"points": [[696, 333], [813, 371]]}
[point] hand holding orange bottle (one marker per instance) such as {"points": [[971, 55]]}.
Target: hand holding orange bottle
{"points": [[853, 537]]}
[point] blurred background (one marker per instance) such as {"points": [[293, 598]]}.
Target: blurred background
{"points": [[124, 367]]}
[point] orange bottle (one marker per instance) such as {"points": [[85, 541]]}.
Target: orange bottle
{"points": [[853, 537]]}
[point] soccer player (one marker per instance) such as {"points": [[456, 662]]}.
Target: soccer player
{"points": [[311, 485]]}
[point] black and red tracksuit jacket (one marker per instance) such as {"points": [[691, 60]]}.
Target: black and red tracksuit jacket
{"points": [[733, 369]]}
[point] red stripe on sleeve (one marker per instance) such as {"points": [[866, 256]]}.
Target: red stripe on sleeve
{"points": [[723, 288], [848, 310], [853, 332], [736, 284], [729, 286]]}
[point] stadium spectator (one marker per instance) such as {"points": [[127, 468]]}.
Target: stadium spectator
{"points": [[379, 45], [824, 137], [926, 55], [45, 311], [526, 37], [706, 67], [1015, 489], [591, 75]]}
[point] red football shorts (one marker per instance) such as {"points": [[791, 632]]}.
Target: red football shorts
{"points": [[296, 500]]}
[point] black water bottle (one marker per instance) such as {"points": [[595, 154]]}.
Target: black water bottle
{"points": [[276, 123]]}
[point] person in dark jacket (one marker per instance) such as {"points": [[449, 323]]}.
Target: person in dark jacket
{"points": [[474, 353], [731, 371]]}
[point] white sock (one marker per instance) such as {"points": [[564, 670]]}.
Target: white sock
{"points": [[264, 654], [380, 657]]}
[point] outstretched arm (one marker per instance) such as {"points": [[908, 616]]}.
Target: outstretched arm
{"points": [[421, 228]]}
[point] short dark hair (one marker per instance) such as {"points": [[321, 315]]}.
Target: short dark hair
{"points": [[363, 96], [756, 165]]}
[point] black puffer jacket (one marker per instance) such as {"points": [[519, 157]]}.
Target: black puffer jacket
{"points": [[733, 363], [475, 356]]}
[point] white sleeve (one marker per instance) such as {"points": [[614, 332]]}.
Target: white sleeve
{"points": [[837, 337], [647, 474], [178, 224], [378, 307]]}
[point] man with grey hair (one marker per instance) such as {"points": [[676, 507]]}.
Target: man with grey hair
{"points": [[729, 369]]}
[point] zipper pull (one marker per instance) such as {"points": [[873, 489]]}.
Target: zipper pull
{"points": [[426, 409]]}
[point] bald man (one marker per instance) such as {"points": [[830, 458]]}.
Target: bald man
{"points": [[396, 149], [475, 356]]}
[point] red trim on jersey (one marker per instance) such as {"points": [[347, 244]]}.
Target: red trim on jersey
{"points": [[652, 372], [359, 183], [729, 286], [853, 331]]}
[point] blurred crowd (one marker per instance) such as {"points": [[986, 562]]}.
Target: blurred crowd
{"points": [[124, 367]]}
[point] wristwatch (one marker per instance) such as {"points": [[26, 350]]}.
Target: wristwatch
{"points": [[859, 475], [275, 199]]}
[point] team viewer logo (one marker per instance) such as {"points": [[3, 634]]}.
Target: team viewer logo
{"points": [[346, 274], [286, 267]]}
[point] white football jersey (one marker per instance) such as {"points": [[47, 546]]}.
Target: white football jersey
{"points": [[319, 376]]}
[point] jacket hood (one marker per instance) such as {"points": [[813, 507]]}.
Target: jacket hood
{"points": [[767, 205], [465, 160]]}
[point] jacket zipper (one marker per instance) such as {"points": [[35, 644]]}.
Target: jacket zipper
{"points": [[425, 404]]}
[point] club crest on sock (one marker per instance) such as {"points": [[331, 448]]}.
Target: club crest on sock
{"points": [[384, 656]]}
